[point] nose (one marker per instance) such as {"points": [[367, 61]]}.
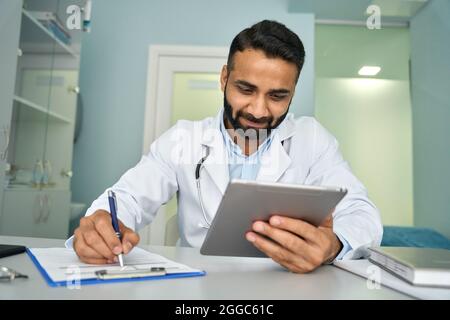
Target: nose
{"points": [[258, 107]]}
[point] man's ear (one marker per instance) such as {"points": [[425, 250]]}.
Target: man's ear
{"points": [[223, 77]]}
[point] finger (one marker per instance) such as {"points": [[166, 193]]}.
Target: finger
{"points": [[94, 261], [103, 225], [328, 221], [305, 267], [286, 239], [85, 253], [93, 240], [82, 249], [130, 239], [279, 254], [299, 227], [270, 248]]}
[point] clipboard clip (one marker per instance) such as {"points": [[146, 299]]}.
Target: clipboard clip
{"points": [[129, 274]]}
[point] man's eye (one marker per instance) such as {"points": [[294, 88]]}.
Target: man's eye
{"points": [[278, 97], [245, 90]]}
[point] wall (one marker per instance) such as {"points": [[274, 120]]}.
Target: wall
{"points": [[370, 117], [114, 65], [342, 50], [430, 66]]}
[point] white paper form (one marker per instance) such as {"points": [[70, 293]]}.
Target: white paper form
{"points": [[59, 263]]}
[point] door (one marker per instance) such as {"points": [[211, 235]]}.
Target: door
{"points": [[10, 17], [33, 213], [54, 220], [183, 83], [59, 135], [21, 212]]}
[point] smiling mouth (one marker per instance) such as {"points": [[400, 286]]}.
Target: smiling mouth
{"points": [[252, 124]]}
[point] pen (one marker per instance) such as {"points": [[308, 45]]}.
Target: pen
{"points": [[113, 208]]}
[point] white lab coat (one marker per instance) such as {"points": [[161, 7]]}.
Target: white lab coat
{"points": [[312, 158]]}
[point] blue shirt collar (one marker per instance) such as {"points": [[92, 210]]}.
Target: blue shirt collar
{"points": [[234, 149]]}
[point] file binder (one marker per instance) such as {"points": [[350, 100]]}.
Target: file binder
{"points": [[158, 273]]}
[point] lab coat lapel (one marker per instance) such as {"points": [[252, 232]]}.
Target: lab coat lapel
{"points": [[275, 161], [216, 164]]}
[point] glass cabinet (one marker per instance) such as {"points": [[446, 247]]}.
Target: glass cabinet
{"points": [[38, 156]]}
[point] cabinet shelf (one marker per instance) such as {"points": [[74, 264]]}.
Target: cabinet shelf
{"points": [[42, 110], [38, 39], [38, 107], [28, 188]]}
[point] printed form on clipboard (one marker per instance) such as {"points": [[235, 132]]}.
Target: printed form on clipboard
{"points": [[61, 267]]}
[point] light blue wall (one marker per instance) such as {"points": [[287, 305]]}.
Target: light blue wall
{"points": [[430, 78], [114, 66]]}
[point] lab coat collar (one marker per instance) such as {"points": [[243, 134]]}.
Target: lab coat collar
{"points": [[274, 162], [216, 164], [285, 130]]}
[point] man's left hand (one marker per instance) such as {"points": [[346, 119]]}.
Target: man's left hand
{"points": [[296, 244]]}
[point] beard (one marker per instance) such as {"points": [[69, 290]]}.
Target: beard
{"points": [[249, 132]]}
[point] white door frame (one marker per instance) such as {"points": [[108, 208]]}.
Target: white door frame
{"points": [[163, 62]]}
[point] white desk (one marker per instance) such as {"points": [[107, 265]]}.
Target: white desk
{"points": [[227, 278]]}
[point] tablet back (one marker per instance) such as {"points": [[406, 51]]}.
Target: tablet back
{"points": [[247, 201]]}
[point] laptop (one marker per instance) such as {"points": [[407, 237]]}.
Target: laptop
{"points": [[418, 266]]}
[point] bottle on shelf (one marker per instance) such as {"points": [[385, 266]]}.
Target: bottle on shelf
{"points": [[38, 173], [47, 176], [8, 175]]}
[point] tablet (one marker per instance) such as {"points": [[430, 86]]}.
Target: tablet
{"points": [[247, 201]]}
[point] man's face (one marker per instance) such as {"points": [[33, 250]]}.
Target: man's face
{"points": [[257, 91]]}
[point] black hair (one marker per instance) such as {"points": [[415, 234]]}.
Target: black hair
{"points": [[274, 39]]}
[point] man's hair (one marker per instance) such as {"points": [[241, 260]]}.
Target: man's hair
{"points": [[274, 39]]}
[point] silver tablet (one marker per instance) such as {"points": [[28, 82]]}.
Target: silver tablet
{"points": [[247, 201]]}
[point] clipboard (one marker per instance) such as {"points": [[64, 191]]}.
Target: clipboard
{"points": [[104, 276]]}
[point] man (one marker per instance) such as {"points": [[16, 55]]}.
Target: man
{"points": [[253, 137]]}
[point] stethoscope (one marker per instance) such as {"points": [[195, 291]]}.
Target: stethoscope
{"points": [[198, 170]]}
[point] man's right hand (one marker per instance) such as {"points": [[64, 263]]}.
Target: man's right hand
{"points": [[95, 241]]}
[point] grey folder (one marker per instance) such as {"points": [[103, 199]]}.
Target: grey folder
{"points": [[418, 266]]}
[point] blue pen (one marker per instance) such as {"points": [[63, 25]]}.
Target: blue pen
{"points": [[115, 222]]}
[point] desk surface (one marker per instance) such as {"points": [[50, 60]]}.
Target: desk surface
{"points": [[227, 278]]}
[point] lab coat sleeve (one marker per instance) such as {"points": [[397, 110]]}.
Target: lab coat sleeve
{"points": [[143, 189], [355, 219]]}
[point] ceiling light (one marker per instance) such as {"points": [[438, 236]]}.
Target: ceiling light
{"points": [[369, 71]]}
